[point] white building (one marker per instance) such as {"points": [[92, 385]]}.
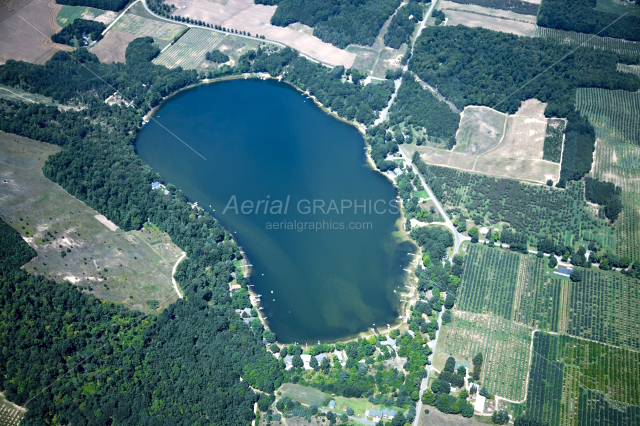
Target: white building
{"points": [[479, 405]]}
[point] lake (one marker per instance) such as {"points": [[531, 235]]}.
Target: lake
{"points": [[293, 186]]}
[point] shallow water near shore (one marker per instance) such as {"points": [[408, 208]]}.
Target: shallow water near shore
{"points": [[278, 155]]}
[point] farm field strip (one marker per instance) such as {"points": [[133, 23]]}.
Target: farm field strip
{"points": [[564, 367], [589, 40], [189, 51], [489, 281], [538, 297], [632, 69], [605, 307], [615, 109], [504, 344], [143, 27]]}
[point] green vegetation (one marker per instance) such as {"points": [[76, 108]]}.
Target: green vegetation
{"points": [[552, 150], [403, 24], [606, 194], [73, 34], [98, 4], [535, 211], [517, 6], [339, 22], [572, 38], [565, 368], [604, 306], [504, 345], [155, 363], [14, 252], [216, 56], [68, 14], [488, 281], [421, 108], [583, 17]]}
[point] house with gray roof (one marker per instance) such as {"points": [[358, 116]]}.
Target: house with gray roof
{"points": [[332, 404], [565, 272]]}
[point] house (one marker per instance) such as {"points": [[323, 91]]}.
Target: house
{"points": [[376, 414], [155, 185], [288, 362], [565, 272], [332, 404], [397, 171], [479, 405], [389, 342], [388, 413], [321, 357], [411, 333], [344, 408]]}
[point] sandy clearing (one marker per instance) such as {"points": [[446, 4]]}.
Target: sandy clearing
{"points": [[473, 20], [244, 15], [106, 222], [112, 47], [481, 10]]}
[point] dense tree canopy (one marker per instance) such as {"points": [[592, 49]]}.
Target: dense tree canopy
{"points": [[339, 22], [73, 33], [581, 16], [14, 252], [403, 24]]}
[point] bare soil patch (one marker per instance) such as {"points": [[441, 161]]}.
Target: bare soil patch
{"points": [[468, 19], [439, 418], [481, 10], [244, 15], [113, 46], [26, 41], [481, 128], [123, 267]]}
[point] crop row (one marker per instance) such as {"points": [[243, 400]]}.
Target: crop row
{"points": [[504, 345], [552, 149], [616, 109], [189, 51], [589, 40], [632, 69], [544, 394], [538, 296], [605, 306], [489, 281], [595, 410]]}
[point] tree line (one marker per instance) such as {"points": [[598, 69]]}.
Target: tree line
{"points": [[403, 24], [73, 33], [339, 22], [581, 16], [98, 4]]}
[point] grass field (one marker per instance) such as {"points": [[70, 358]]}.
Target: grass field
{"points": [[190, 50], [481, 128], [504, 345], [618, 7], [69, 13], [589, 40], [439, 418], [488, 282], [130, 268], [605, 306], [481, 10], [538, 295], [308, 395], [10, 414], [14, 94], [566, 370]]}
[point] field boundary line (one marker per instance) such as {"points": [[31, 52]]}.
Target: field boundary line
{"points": [[118, 18]]}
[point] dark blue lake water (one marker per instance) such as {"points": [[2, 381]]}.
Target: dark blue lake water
{"points": [[275, 151]]}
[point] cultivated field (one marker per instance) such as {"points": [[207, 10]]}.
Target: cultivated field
{"points": [[244, 15], [25, 29], [162, 32], [190, 50], [605, 307], [538, 295], [10, 414], [113, 46], [632, 69], [72, 244], [618, 7], [488, 282], [504, 345], [568, 375], [68, 14], [469, 19], [13, 94], [589, 40], [614, 109]]}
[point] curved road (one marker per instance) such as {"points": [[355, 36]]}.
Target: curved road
{"points": [[175, 283]]}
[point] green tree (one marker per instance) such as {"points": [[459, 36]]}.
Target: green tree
{"points": [[313, 363], [553, 262], [297, 361]]}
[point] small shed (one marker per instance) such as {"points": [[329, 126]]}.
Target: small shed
{"points": [[332, 404], [565, 272]]}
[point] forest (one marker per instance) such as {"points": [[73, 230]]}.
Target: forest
{"points": [[73, 33], [499, 71], [420, 107], [14, 252], [339, 22], [605, 194], [98, 4], [582, 17], [155, 370], [516, 6], [403, 24]]}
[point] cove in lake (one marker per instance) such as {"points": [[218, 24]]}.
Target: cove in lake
{"points": [[264, 143]]}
